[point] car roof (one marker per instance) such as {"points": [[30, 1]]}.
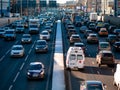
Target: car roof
{"points": [[93, 82], [35, 63], [17, 46], [105, 51], [103, 42]]}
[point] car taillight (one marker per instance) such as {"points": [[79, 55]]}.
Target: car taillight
{"points": [[80, 61]]}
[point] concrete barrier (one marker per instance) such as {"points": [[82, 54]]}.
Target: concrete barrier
{"points": [[5, 21]]}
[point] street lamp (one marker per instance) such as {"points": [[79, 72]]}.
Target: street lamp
{"points": [[1, 9], [21, 8]]}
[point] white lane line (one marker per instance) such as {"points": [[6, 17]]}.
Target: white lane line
{"points": [[33, 44], [29, 51], [16, 76], [7, 52], [22, 66], [98, 72], [10, 88], [2, 58], [26, 58], [16, 42]]}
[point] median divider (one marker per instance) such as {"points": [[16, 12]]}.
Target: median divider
{"points": [[58, 79]]}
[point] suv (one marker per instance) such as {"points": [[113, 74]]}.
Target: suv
{"points": [[10, 34], [105, 57]]}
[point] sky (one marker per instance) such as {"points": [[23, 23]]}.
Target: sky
{"points": [[63, 1]]}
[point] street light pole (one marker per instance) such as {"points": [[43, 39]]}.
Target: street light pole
{"points": [[1, 9], [21, 8]]}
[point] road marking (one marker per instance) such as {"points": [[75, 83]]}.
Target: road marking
{"points": [[16, 42], [33, 44], [16, 76], [2, 58], [98, 72], [7, 52], [10, 88], [22, 66], [26, 58], [29, 51]]}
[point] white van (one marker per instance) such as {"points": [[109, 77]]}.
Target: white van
{"points": [[117, 77], [75, 58]]}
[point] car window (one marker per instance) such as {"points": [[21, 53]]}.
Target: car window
{"points": [[104, 45], [72, 57], [35, 67], [41, 43], [17, 48], [79, 57], [107, 55], [94, 87]]}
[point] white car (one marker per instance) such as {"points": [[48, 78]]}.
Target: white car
{"points": [[75, 58], [117, 77], [45, 35], [17, 51], [20, 28]]}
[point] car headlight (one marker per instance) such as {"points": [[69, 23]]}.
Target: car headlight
{"points": [[28, 73]]}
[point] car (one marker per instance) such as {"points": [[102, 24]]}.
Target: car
{"points": [[116, 81], [87, 32], [111, 28], [2, 32], [83, 28], [26, 38], [112, 38], [36, 70], [116, 46], [92, 85], [105, 57], [92, 26], [75, 38], [92, 38], [70, 32], [103, 32], [48, 28], [75, 58], [80, 44], [116, 31], [49, 23], [104, 46], [17, 51], [10, 34], [41, 46], [20, 28], [44, 35]]}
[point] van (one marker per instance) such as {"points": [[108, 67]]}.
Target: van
{"points": [[75, 58], [116, 80]]}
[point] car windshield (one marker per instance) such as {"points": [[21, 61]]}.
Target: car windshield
{"points": [[75, 36], [94, 87], [41, 43], [33, 26], [79, 57], [44, 33], [72, 57], [9, 32], [17, 48], [26, 36], [107, 55], [35, 67], [104, 45]]}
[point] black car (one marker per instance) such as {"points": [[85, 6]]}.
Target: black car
{"points": [[92, 85], [116, 46], [111, 38], [111, 28], [41, 46], [36, 70]]}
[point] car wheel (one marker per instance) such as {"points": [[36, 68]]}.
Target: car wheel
{"points": [[114, 83], [99, 65]]}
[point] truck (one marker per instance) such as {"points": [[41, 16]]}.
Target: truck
{"points": [[93, 16], [34, 25]]}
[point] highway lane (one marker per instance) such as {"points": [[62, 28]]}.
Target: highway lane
{"points": [[13, 70], [91, 71]]}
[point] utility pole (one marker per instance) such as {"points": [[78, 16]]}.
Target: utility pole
{"points": [[21, 8], [1, 9]]}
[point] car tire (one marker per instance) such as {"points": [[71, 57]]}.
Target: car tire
{"points": [[114, 83], [99, 65]]}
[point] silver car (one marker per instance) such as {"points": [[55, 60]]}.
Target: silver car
{"points": [[17, 51], [26, 38]]}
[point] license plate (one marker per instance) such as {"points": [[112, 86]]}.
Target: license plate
{"points": [[35, 75]]}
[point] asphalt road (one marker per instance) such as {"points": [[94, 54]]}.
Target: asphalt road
{"points": [[13, 70], [91, 71]]}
